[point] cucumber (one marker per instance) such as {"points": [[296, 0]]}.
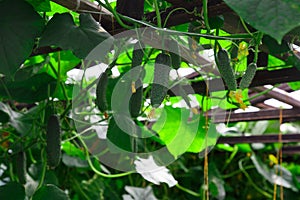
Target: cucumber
{"points": [[137, 54], [161, 79], [101, 88], [21, 166], [225, 69], [137, 59], [136, 100], [248, 76], [53, 141], [175, 54]]}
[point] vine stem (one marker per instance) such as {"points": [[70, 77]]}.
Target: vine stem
{"points": [[97, 171], [187, 190], [114, 12], [258, 41], [269, 196], [43, 170], [157, 14], [245, 27], [174, 10], [212, 37], [205, 14]]}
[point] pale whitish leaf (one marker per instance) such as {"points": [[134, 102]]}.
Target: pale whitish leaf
{"points": [[136, 193], [285, 180], [154, 173]]}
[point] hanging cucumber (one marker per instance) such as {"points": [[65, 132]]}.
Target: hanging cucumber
{"points": [[161, 79], [21, 166], [53, 141], [137, 54], [248, 76], [136, 100], [225, 69], [101, 100], [175, 54], [137, 59]]}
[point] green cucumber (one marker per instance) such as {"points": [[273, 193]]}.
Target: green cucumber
{"points": [[21, 166], [136, 100], [137, 59], [101, 88], [175, 54], [137, 54], [248, 76], [225, 69], [53, 141], [161, 79]]}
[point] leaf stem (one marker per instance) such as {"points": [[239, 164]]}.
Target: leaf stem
{"points": [[205, 15], [157, 13], [269, 196], [114, 12], [43, 170], [187, 190], [93, 167]]}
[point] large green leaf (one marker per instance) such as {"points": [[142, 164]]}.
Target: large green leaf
{"points": [[32, 90], [273, 17], [182, 134], [118, 139], [50, 192], [20, 25], [40, 5], [61, 31], [12, 190]]}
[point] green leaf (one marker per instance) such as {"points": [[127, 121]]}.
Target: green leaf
{"points": [[274, 47], [61, 31], [40, 5], [72, 150], [20, 25], [273, 17], [72, 161], [50, 192], [31, 90], [117, 137], [182, 134], [12, 190], [294, 85], [14, 118]]}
